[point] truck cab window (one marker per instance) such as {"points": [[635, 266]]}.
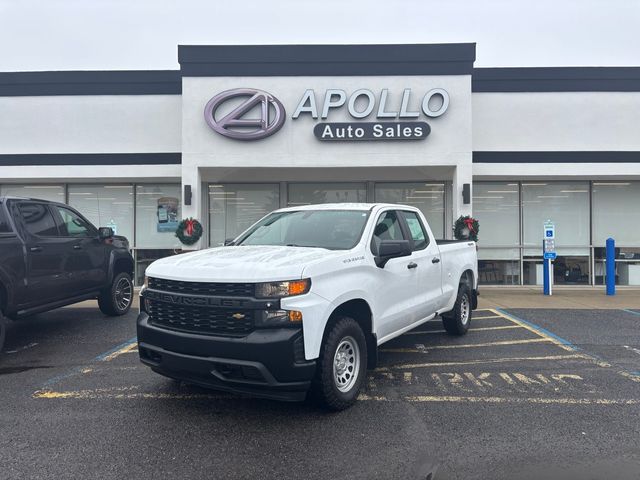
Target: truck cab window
{"points": [[71, 224], [418, 234], [387, 228], [38, 220]]}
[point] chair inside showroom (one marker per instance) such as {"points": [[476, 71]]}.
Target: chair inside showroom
{"points": [[488, 272]]}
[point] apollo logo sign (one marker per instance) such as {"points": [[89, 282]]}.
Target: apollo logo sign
{"points": [[399, 122], [233, 124]]}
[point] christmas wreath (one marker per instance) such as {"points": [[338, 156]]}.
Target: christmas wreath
{"points": [[466, 228], [189, 231]]}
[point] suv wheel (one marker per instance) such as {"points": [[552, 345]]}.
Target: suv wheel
{"points": [[457, 321], [117, 299], [3, 329], [342, 365]]}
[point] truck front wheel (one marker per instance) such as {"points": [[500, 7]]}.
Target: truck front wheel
{"points": [[457, 321], [117, 298], [342, 365]]}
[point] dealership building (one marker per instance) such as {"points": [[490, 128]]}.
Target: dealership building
{"points": [[239, 131]]}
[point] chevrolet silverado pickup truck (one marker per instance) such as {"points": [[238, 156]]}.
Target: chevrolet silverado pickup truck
{"points": [[301, 301], [51, 256]]}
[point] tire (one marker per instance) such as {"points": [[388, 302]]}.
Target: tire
{"points": [[342, 365], [457, 321], [117, 299], [3, 329]]}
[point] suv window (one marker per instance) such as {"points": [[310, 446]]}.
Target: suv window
{"points": [[38, 219], [4, 221], [418, 233], [72, 225], [387, 228]]}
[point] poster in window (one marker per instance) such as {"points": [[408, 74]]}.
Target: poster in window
{"points": [[167, 214]]}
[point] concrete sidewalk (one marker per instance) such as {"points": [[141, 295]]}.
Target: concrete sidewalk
{"points": [[570, 298]]}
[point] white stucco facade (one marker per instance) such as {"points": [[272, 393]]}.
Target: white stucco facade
{"points": [[505, 132]]}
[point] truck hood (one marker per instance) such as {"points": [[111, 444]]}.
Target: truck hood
{"points": [[239, 264]]}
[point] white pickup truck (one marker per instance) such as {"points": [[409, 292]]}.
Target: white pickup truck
{"points": [[302, 299]]}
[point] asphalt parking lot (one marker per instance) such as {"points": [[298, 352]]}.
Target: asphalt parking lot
{"points": [[526, 394]]}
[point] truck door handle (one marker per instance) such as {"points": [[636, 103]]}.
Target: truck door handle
{"points": [[77, 247], [412, 265], [435, 260], [35, 249]]}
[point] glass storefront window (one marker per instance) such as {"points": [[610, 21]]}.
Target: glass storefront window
{"points": [[567, 205], [105, 206], [499, 272], [53, 193], [627, 265], [158, 213], [567, 270], [146, 257], [235, 207], [428, 197], [616, 213], [496, 206], [314, 193]]}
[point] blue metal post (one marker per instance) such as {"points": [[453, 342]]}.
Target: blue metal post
{"points": [[545, 273], [611, 266]]}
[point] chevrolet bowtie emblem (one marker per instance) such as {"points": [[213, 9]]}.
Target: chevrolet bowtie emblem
{"points": [[238, 316]]}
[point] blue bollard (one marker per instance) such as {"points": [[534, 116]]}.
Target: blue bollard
{"points": [[611, 266], [546, 284]]}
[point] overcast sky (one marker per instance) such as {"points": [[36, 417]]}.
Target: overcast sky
{"points": [[144, 34]]}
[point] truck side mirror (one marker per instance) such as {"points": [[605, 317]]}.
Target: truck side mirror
{"points": [[105, 233], [389, 249]]}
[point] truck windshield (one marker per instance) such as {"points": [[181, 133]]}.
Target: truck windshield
{"points": [[330, 229]]}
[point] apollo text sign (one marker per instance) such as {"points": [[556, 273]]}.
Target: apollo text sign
{"points": [[253, 114]]}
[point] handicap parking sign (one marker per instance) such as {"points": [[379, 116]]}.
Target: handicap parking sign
{"points": [[549, 230]]}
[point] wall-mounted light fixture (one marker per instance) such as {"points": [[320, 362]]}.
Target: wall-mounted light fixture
{"points": [[466, 193]]}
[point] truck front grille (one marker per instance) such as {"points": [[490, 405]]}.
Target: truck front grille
{"points": [[201, 320], [203, 288]]}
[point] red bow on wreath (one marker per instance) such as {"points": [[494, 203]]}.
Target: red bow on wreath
{"points": [[469, 223], [188, 227]]}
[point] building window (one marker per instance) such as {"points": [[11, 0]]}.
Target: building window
{"points": [[52, 193], [496, 206], [616, 215], [105, 206], [235, 207], [566, 204], [157, 216], [427, 197], [314, 193]]}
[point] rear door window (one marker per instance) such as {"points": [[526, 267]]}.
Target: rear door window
{"points": [[5, 227], [38, 219], [417, 230], [71, 224]]}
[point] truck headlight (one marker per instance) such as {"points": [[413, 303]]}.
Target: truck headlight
{"points": [[279, 318], [283, 289]]}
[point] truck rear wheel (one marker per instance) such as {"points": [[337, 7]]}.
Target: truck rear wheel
{"points": [[457, 321], [342, 365], [116, 300]]}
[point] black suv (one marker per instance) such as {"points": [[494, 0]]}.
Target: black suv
{"points": [[51, 256]]}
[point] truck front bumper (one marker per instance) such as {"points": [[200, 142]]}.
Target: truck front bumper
{"points": [[267, 363]]}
